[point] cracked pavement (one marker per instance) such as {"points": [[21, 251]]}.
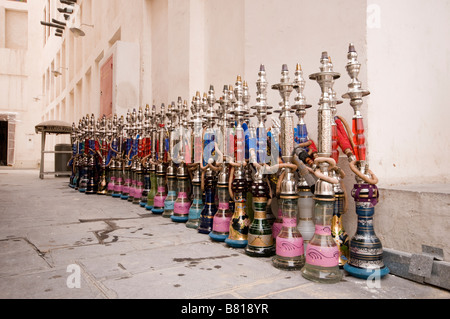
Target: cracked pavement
{"points": [[123, 253]]}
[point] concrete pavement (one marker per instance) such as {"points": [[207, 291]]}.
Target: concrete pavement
{"points": [[57, 243]]}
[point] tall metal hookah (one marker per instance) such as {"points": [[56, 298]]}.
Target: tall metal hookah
{"points": [[240, 222], [127, 143], [322, 254], [73, 161], [161, 192], [171, 172], [366, 251], [208, 166], [222, 218], [132, 155], [195, 168], [102, 127], [340, 205], [138, 156], [79, 155], [303, 151], [289, 242], [145, 159], [117, 148], [84, 160], [92, 184], [152, 159], [260, 237], [183, 202]]}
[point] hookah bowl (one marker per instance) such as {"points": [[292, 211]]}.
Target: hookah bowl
{"points": [[366, 250], [183, 203], [160, 196], [260, 239], [169, 202], [197, 203], [210, 209], [222, 218]]}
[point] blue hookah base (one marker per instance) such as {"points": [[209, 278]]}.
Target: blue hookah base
{"points": [[236, 243], [116, 195], [157, 211], [179, 219], [365, 273], [218, 237], [147, 207]]}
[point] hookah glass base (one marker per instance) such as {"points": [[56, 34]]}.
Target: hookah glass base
{"points": [[253, 251], [326, 275], [193, 223], [288, 263]]}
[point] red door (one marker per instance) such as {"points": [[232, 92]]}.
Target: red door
{"points": [[106, 88]]}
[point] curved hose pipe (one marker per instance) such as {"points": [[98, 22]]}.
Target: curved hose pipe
{"points": [[230, 182], [328, 160], [371, 181], [349, 131]]}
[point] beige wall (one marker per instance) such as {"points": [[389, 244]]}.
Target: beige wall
{"points": [[409, 67]]}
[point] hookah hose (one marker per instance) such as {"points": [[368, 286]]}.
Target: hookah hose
{"points": [[346, 143]]}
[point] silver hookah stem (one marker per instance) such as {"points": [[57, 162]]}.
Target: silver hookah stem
{"points": [[355, 94], [325, 78]]}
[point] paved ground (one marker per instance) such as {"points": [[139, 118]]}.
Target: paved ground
{"points": [[49, 232]]}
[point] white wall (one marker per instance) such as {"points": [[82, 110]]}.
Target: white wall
{"points": [[409, 77]]}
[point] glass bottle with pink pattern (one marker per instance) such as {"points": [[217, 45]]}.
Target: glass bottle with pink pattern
{"points": [[322, 253]]}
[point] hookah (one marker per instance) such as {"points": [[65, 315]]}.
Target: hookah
{"points": [[152, 161], [260, 237], [366, 251], [208, 168], [169, 202], [322, 253], [115, 148], [183, 202], [240, 222], [84, 178], [197, 144], [92, 185], [304, 147], [289, 242], [139, 172], [131, 155], [73, 161], [160, 196], [222, 218], [127, 143], [145, 155], [79, 156], [102, 151], [340, 205]]}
